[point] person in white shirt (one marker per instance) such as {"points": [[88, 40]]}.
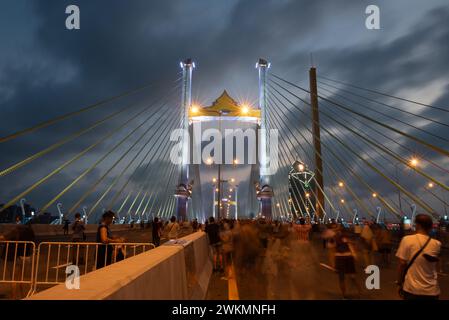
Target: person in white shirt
{"points": [[173, 229], [418, 278]]}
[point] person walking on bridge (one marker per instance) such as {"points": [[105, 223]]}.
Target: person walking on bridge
{"points": [[418, 255], [345, 256], [213, 233]]}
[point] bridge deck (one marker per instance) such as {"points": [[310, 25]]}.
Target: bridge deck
{"points": [[299, 276]]}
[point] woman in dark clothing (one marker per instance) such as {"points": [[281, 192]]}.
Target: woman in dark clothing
{"points": [[345, 261], [104, 236], [156, 232]]}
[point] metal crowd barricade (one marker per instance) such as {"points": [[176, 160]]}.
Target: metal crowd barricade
{"points": [[54, 257], [17, 266]]}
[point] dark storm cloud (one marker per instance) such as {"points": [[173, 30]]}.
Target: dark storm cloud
{"points": [[48, 70]]}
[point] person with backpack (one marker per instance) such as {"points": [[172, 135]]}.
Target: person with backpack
{"points": [[418, 255]]}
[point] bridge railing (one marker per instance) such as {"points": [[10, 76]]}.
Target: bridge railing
{"points": [[179, 269], [24, 268], [54, 257], [17, 266]]}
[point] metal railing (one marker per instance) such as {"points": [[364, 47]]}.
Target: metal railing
{"points": [[54, 257], [22, 265], [17, 266]]}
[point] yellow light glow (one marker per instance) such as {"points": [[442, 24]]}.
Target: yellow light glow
{"points": [[245, 109], [216, 190], [414, 162], [307, 195], [342, 200], [209, 161], [214, 180], [278, 204], [341, 184], [195, 108], [430, 185], [374, 195], [232, 180], [230, 190], [236, 161]]}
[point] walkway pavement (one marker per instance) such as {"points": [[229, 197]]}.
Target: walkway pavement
{"points": [[298, 275]]}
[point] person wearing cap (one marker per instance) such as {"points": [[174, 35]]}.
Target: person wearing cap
{"points": [[418, 255]]}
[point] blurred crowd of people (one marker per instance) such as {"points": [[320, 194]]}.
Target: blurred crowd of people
{"points": [[263, 246]]}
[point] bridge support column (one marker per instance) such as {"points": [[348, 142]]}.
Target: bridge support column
{"points": [[264, 191], [184, 189], [319, 206]]}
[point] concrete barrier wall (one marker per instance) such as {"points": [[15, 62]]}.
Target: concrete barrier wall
{"points": [[52, 230], [176, 271]]}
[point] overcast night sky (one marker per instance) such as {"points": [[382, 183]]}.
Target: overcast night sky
{"points": [[47, 70]]}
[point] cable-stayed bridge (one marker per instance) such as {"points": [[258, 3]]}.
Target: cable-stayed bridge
{"points": [[340, 150]]}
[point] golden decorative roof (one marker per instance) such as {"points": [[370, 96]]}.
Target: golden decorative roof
{"points": [[224, 106]]}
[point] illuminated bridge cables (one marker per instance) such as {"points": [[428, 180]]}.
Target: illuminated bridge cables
{"points": [[162, 173], [275, 116], [404, 147], [340, 89], [385, 150], [328, 164], [101, 159], [119, 159], [149, 178], [75, 113], [118, 177], [333, 116], [62, 142], [286, 162], [411, 137], [387, 95], [409, 194], [360, 179], [284, 125], [393, 118], [145, 183], [72, 160], [172, 178], [334, 171], [162, 154]]}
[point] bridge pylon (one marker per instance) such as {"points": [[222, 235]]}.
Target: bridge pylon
{"points": [[184, 189], [264, 191]]}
